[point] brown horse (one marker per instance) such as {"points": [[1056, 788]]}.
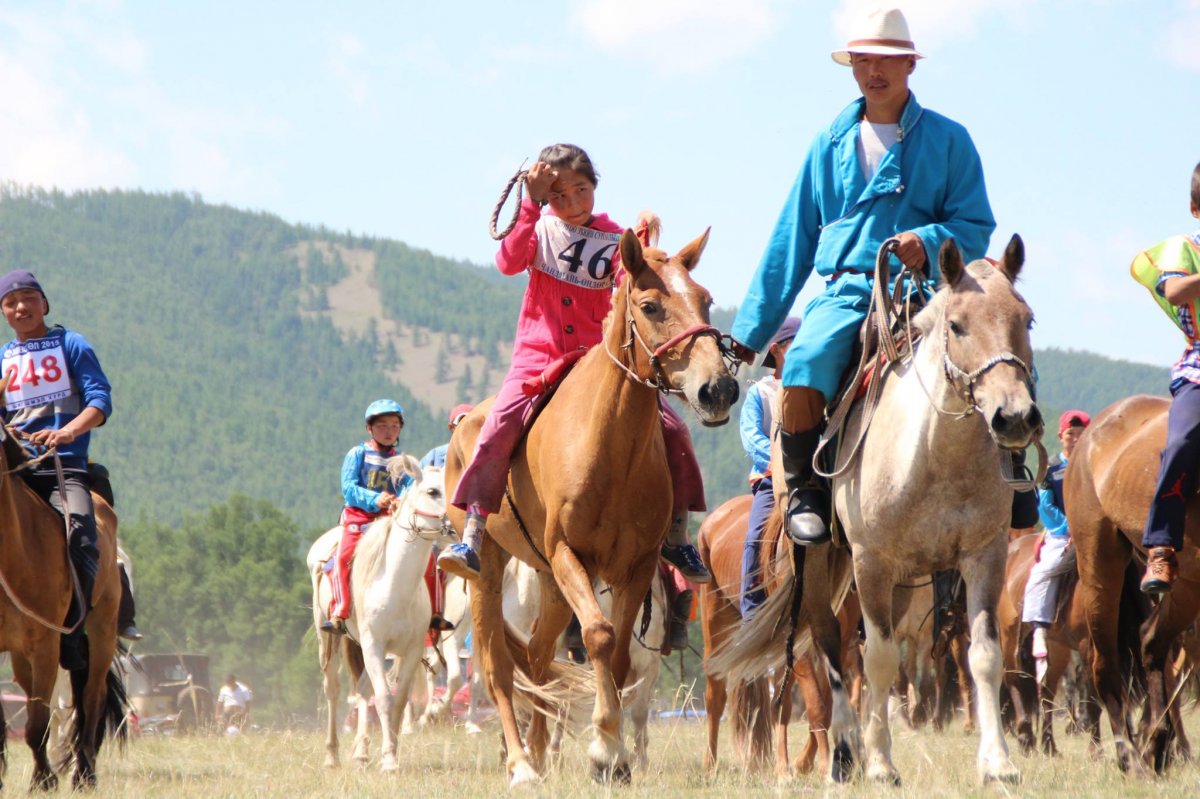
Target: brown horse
{"points": [[1107, 491], [37, 587], [721, 541], [590, 495], [1068, 634]]}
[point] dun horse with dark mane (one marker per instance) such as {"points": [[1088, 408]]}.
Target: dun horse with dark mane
{"points": [[590, 494]]}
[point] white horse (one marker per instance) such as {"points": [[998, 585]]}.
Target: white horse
{"points": [[925, 492], [522, 604], [390, 608]]}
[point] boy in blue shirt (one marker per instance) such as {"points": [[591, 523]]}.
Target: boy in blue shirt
{"points": [[757, 424], [368, 493], [55, 393]]}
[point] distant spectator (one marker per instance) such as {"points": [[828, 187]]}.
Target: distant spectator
{"points": [[233, 703]]}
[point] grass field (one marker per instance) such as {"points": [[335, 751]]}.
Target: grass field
{"points": [[444, 762]]}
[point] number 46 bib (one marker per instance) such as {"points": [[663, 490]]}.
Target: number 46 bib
{"points": [[35, 372], [577, 255]]}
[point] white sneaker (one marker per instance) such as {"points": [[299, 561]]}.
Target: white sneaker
{"points": [[1039, 643]]}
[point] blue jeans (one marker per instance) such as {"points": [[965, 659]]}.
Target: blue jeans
{"points": [[1177, 474], [753, 593]]}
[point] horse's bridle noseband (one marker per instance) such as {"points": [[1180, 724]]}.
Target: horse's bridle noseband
{"points": [[659, 383], [965, 381]]}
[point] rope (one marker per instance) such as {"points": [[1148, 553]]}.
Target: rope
{"points": [[523, 528], [517, 180]]}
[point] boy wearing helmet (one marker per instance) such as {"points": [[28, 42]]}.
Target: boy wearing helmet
{"points": [[368, 492]]}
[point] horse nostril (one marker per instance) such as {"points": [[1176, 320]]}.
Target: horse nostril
{"points": [[1035, 418], [999, 421], [734, 390], [705, 394]]}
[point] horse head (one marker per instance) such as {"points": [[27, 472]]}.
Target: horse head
{"points": [[984, 330], [666, 312], [423, 509]]}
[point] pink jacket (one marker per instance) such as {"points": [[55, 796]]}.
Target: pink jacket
{"points": [[556, 316]]}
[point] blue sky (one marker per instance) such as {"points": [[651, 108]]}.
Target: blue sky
{"points": [[405, 119]]}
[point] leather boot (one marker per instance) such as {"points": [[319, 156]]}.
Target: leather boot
{"points": [[807, 500], [681, 611]]}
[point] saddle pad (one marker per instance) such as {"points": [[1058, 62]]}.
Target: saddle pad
{"points": [[552, 375]]}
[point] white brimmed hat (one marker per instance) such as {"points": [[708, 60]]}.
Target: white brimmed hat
{"points": [[879, 33]]}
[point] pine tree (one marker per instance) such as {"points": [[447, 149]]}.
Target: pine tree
{"points": [[441, 369], [465, 385]]}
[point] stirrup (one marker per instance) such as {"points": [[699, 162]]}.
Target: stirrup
{"points": [[807, 524], [334, 626]]}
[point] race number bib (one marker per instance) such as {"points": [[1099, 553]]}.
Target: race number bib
{"points": [[35, 373], [577, 255]]}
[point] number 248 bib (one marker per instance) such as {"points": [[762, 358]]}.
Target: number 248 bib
{"points": [[35, 372], [577, 255]]}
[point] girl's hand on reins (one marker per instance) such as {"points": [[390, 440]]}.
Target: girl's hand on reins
{"points": [[741, 351], [386, 500], [539, 180]]}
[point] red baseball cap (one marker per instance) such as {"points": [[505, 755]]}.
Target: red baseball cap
{"points": [[1074, 418], [458, 412]]}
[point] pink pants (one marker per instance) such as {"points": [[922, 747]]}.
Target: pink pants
{"points": [[354, 521], [482, 484]]}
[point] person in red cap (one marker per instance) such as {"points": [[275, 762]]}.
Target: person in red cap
{"points": [[1056, 556]]}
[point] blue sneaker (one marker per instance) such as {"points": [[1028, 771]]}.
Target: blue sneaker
{"points": [[459, 559], [686, 558]]}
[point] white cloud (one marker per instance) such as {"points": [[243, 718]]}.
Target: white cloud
{"points": [[678, 36], [1183, 33], [347, 53]]}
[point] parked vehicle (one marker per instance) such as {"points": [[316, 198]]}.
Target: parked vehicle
{"points": [[170, 693]]}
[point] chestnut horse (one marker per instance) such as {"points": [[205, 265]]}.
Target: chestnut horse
{"points": [[1107, 492], [589, 496], [925, 491], [37, 587], [1033, 698], [721, 541]]}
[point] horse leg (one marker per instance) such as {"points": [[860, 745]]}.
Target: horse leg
{"points": [[327, 658], [839, 722], [36, 676], [89, 708], [880, 662], [1060, 658], [374, 653], [1102, 555], [1174, 614], [1023, 691], [492, 651], [958, 650], [553, 616], [1176, 675], [818, 710], [353, 657], [717, 624], [628, 601], [983, 573]]}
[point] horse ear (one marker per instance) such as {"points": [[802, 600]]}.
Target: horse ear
{"points": [[631, 254], [950, 262], [689, 256], [1014, 258]]}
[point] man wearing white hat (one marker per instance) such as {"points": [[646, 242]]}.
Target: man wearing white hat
{"points": [[885, 168]]}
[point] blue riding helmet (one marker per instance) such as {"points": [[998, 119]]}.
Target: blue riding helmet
{"points": [[384, 407]]}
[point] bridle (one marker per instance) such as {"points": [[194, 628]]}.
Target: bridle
{"points": [[655, 356], [964, 381]]}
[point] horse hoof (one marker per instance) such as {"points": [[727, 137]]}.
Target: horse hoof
{"points": [[620, 774], [473, 729], [842, 767], [331, 761], [523, 774], [884, 775], [1006, 774]]}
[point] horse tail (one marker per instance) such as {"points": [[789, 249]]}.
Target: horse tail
{"points": [[114, 713], [1134, 608], [3, 744], [567, 693], [750, 704]]}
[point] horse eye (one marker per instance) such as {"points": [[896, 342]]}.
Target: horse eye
{"points": [[649, 308], [955, 328]]}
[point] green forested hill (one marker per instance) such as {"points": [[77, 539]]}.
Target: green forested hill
{"points": [[226, 382]]}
